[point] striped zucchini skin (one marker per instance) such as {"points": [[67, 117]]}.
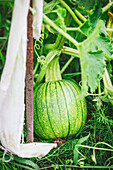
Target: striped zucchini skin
{"points": [[58, 111]]}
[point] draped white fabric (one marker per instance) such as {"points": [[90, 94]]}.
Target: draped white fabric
{"points": [[12, 83]]}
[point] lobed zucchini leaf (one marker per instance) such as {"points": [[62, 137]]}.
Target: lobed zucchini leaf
{"points": [[91, 22], [92, 57], [93, 51]]}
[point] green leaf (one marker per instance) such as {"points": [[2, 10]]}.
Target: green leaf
{"points": [[103, 43], [48, 7], [93, 51], [58, 15], [96, 66], [88, 27], [80, 141], [27, 162], [88, 5]]}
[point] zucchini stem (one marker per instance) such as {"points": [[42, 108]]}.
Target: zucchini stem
{"points": [[80, 15], [58, 29], [67, 64], [108, 86], [104, 9], [51, 55], [53, 71], [70, 51], [71, 12]]}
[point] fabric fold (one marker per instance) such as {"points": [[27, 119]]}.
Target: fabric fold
{"points": [[12, 84]]}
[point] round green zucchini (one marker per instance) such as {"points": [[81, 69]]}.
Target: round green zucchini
{"points": [[58, 110]]}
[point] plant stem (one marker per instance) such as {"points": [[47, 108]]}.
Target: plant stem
{"points": [[107, 78], [107, 83], [60, 39], [104, 9], [70, 51], [91, 147], [52, 24], [2, 58], [109, 29], [71, 12], [80, 15], [67, 64], [59, 42], [48, 59], [53, 71], [73, 29], [108, 87], [3, 38], [29, 78], [80, 167], [35, 69]]}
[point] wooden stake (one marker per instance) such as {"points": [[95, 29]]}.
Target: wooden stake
{"points": [[29, 78]]}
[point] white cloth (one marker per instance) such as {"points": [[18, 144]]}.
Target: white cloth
{"points": [[37, 18], [12, 83]]}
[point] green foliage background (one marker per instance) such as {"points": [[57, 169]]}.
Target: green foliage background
{"points": [[96, 49]]}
